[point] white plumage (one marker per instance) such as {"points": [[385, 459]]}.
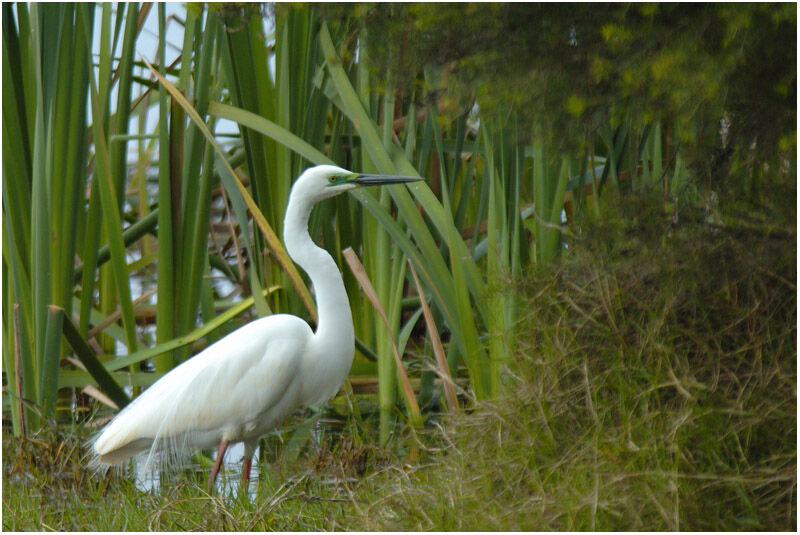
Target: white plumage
{"points": [[244, 385]]}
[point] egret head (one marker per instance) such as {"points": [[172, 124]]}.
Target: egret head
{"points": [[323, 181]]}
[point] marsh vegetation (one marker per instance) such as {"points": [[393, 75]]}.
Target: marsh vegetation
{"points": [[606, 241]]}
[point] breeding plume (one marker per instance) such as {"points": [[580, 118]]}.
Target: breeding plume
{"points": [[244, 385]]}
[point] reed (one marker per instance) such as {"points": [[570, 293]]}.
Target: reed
{"points": [[195, 219]]}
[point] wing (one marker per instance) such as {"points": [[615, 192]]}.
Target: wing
{"points": [[220, 393]]}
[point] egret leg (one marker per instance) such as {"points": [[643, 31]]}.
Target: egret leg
{"points": [[246, 464], [217, 464]]}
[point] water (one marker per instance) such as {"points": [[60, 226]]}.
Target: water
{"points": [[228, 480], [307, 428]]}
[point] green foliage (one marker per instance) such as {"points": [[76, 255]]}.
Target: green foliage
{"points": [[654, 389], [47, 87], [573, 67], [195, 199], [47, 487], [580, 110]]}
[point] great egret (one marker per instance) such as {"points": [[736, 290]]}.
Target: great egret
{"points": [[244, 385]]}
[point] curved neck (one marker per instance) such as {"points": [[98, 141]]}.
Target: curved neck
{"points": [[333, 307]]}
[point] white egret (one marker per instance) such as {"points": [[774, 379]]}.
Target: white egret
{"points": [[244, 385]]}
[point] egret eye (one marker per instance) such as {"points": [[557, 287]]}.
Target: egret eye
{"points": [[332, 179]]}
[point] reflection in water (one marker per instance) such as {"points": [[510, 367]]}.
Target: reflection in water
{"points": [[307, 429], [228, 480]]}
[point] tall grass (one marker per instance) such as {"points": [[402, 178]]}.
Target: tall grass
{"points": [[653, 389], [199, 227], [47, 58], [649, 383]]}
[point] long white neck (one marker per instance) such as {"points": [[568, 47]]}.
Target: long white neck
{"points": [[335, 326]]}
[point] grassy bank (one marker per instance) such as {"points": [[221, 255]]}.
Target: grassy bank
{"points": [[654, 388]]}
